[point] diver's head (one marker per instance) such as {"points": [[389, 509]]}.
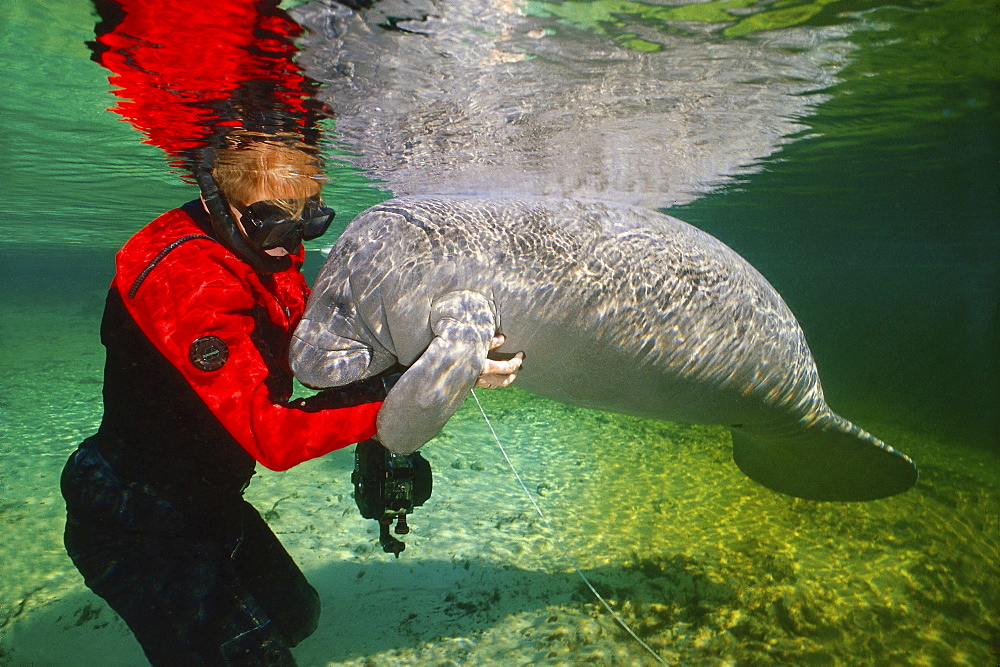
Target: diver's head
{"points": [[263, 194]]}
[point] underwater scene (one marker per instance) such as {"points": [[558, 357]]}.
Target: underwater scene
{"points": [[848, 149]]}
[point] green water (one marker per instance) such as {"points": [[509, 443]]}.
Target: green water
{"points": [[880, 226], [882, 231]]}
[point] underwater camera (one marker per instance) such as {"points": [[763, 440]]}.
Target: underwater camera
{"points": [[389, 486]]}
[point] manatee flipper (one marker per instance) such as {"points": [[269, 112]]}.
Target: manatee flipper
{"points": [[830, 459], [434, 387]]}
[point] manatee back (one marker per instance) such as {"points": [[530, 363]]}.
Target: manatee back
{"points": [[615, 307]]}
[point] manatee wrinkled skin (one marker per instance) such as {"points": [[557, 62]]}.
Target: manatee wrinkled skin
{"points": [[616, 308]]}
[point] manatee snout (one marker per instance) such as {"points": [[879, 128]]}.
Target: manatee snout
{"points": [[321, 359]]}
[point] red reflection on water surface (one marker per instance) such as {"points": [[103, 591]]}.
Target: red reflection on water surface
{"points": [[185, 69]]}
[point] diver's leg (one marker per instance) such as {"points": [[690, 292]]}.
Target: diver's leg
{"points": [[184, 604], [180, 594], [275, 581]]}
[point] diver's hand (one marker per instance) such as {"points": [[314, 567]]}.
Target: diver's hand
{"points": [[499, 373]]}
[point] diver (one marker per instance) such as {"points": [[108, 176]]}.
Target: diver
{"points": [[197, 390]]}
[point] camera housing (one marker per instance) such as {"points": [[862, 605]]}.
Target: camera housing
{"points": [[387, 487]]}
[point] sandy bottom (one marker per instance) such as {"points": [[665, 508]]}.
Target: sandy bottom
{"points": [[706, 566]]}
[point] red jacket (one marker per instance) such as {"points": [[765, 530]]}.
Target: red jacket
{"points": [[179, 286]]}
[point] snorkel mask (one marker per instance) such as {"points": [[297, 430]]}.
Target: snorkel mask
{"points": [[269, 226]]}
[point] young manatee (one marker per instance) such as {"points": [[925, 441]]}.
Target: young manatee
{"points": [[616, 308]]}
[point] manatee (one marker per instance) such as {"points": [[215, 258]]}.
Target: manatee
{"points": [[616, 308]]}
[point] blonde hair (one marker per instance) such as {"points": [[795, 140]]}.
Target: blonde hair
{"points": [[251, 168]]}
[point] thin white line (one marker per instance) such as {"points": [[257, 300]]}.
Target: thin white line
{"points": [[559, 542]]}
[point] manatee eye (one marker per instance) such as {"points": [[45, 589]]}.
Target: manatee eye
{"points": [[340, 308]]}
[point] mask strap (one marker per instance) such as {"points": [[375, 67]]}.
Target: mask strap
{"points": [[226, 230]]}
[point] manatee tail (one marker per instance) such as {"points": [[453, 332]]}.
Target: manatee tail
{"points": [[830, 459]]}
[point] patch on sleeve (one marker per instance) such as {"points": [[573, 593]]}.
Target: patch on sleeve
{"points": [[208, 353]]}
